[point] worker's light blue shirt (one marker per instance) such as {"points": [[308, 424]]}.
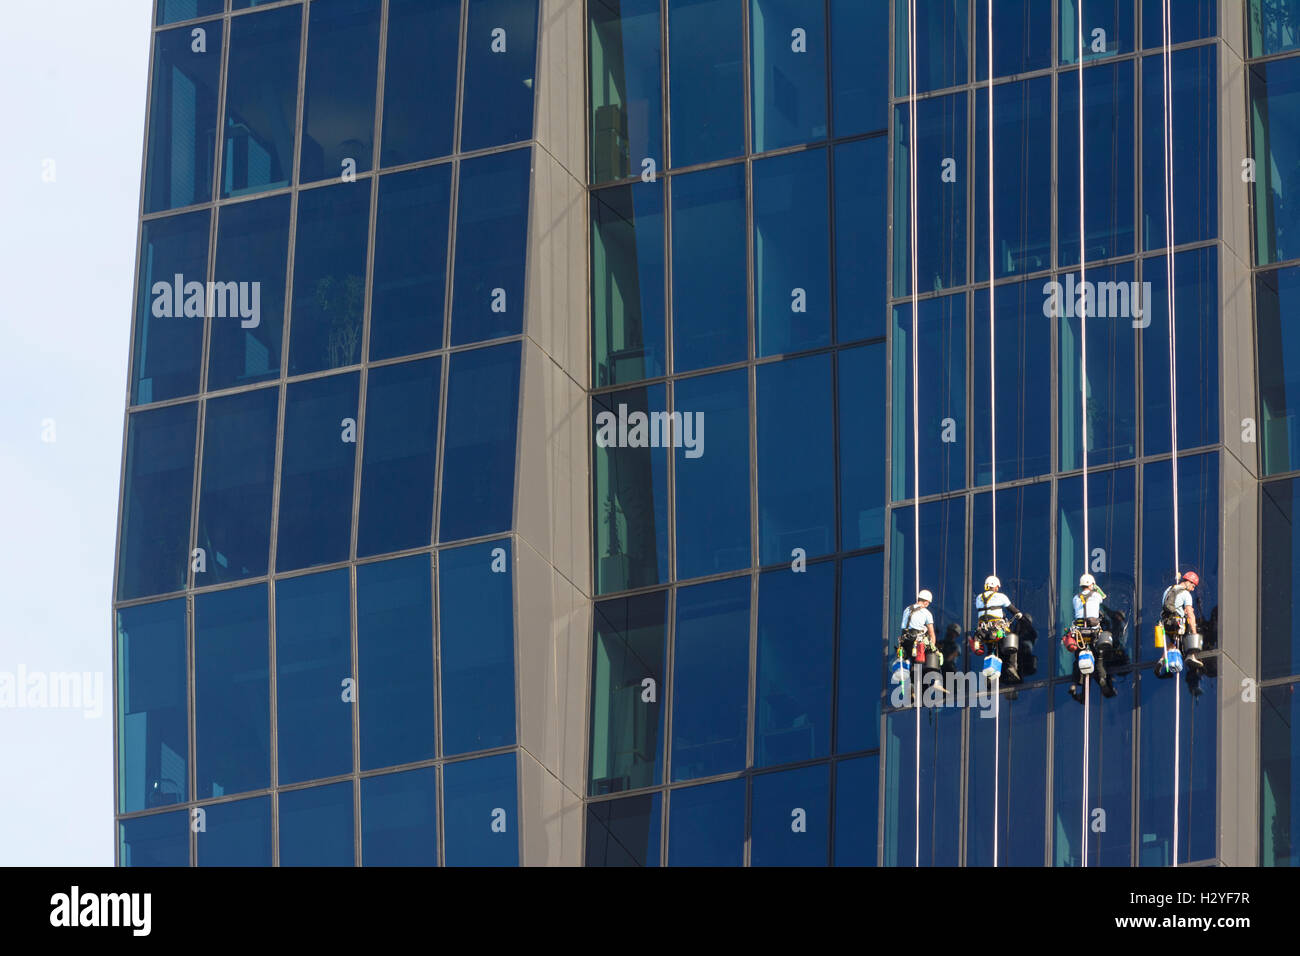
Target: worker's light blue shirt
{"points": [[1182, 600], [917, 618]]}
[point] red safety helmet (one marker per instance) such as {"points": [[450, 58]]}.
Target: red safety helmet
{"points": [[1191, 578]]}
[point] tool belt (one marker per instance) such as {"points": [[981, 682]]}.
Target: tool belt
{"points": [[1084, 633], [1173, 624]]}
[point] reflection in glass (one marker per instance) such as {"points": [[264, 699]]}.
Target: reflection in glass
{"points": [[480, 824], [1024, 530], [1197, 771], [1279, 564], [626, 93], [1275, 136], [159, 840], [789, 817], [943, 559], [788, 59], [1195, 129], [941, 396], [1274, 26], [316, 826], [1188, 20], [627, 683], [500, 58], [942, 39], [237, 834], [1021, 783], [1277, 340], [399, 818], [624, 832], [183, 114], [706, 825], [1022, 37], [1279, 760], [419, 80], [859, 66], [338, 106], [940, 204], [261, 101], [171, 11], [1107, 29], [1110, 776], [627, 283], [168, 320], [152, 733], [940, 809], [705, 52]]}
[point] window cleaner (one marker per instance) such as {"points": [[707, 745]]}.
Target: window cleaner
{"points": [[994, 631], [916, 641], [1177, 633], [1090, 645]]}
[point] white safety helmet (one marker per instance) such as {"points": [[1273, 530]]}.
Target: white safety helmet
{"points": [[991, 583], [1087, 581], [925, 595]]}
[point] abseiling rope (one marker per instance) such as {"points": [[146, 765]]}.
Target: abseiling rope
{"points": [[993, 438], [1083, 411], [916, 458]]}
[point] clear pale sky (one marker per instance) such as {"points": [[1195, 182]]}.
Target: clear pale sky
{"points": [[74, 74]]}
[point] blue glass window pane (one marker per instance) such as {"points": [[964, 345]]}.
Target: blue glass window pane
{"points": [[796, 621], [395, 662], [232, 692], [500, 58], [313, 658], [1279, 791], [156, 502], [941, 397], [711, 679], [1275, 140], [168, 315], [1195, 156], [481, 825], [626, 93], [1108, 29], [1277, 294], [478, 467], [491, 243], [712, 529], [630, 490], [410, 281], [238, 480], [420, 80], [941, 776], [182, 114], [788, 59], [399, 819], [1109, 158], [940, 195], [790, 817], [338, 106], [1279, 563], [705, 52], [261, 101], [943, 556], [1274, 26], [1111, 517], [237, 834], [942, 38], [1110, 776], [329, 277], [398, 461], [791, 253], [706, 825], [1022, 193], [1022, 391], [1198, 745], [1188, 21], [152, 732], [1024, 530], [796, 459], [1112, 367], [861, 238], [252, 251], [859, 66], [1022, 37], [627, 713], [710, 313], [159, 840], [477, 645], [862, 435], [1021, 724], [860, 662], [857, 810], [624, 832], [173, 11], [316, 474], [316, 826], [627, 283]]}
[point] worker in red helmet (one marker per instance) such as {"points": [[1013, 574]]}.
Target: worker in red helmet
{"points": [[1178, 618]]}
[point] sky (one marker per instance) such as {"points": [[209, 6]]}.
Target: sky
{"points": [[74, 74]]}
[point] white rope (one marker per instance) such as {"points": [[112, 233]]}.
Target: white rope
{"points": [[916, 437], [993, 428], [1083, 411], [1086, 729]]}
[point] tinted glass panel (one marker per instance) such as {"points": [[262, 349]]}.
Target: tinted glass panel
{"points": [[941, 43], [316, 826], [1279, 791], [420, 79], [478, 467], [168, 318], [1277, 294], [859, 663], [624, 832], [410, 281], [943, 558], [329, 277], [156, 502], [796, 620], [395, 661], [1192, 20], [1279, 564], [161, 840], [630, 485], [861, 238], [183, 113], [941, 396], [481, 825], [1022, 37], [232, 692], [399, 819], [397, 471], [857, 810], [1195, 166], [152, 734], [859, 66], [791, 253], [710, 311], [172, 11], [1024, 530], [788, 59], [940, 195], [319, 461], [252, 251], [706, 825], [338, 109], [1198, 745], [705, 52], [1108, 29], [477, 644], [237, 834], [713, 530], [1110, 776], [1021, 725], [940, 809], [711, 679], [626, 93], [790, 817], [627, 283], [861, 436], [261, 101], [500, 57], [491, 242], [1274, 26], [313, 659], [1275, 139], [627, 681]]}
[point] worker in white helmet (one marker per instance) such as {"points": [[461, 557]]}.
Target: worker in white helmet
{"points": [[1086, 633], [916, 640], [995, 618]]}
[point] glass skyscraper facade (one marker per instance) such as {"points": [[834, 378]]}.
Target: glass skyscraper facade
{"points": [[527, 476]]}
